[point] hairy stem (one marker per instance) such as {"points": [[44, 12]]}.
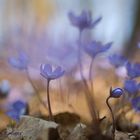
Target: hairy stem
{"points": [[34, 87], [112, 115], [48, 100]]}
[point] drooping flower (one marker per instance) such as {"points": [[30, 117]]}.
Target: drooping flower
{"points": [[47, 72], [117, 60], [17, 109], [116, 93], [131, 86], [20, 62], [83, 21], [136, 103], [133, 70], [94, 48]]}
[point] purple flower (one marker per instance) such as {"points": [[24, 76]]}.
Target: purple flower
{"points": [[94, 48], [131, 86], [133, 70], [20, 107], [116, 93], [136, 103], [17, 109], [13, 114], [20, 62], [117, 60], [46, 72], [84, 20]]}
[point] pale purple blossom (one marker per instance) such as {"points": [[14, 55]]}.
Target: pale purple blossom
{"points": [[94, 48], [17, 109], [47, 72], [133, 70], [117, 60], [131, 86], [84, 20], [136, 103], [20, 62]]}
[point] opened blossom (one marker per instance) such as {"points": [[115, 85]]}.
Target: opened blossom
{"points": [[133, 70], [17, 109], [117, 60], [47, 72], [20, 62], [84, 20], [94, 48], [136, 103], [131, 86]]}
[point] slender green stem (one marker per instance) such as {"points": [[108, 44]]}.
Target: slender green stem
{"points": [[35, 89], [48, 100], [113, 118]]}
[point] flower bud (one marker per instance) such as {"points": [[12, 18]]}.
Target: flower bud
{"points": [[116, 93]]}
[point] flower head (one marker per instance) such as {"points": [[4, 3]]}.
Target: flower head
{"points": [[136, 103], [20, 62], [133, 70], [116, 93], [117, 60], [83, 21], [131, 86], [47, 72], [17, 109], [94, 48]]}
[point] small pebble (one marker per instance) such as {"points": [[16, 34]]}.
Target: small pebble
{"points": [[132, 136]]}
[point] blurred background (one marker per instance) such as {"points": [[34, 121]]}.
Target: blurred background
{"points": [[36, 25], [25, 17]]}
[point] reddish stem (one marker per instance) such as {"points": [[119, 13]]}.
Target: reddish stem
{"points": [[89, 98], [48, 100], [112, 115]]}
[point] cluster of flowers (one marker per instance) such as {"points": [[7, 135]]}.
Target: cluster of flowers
{"points": [[93, 49], [131, 86]]}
